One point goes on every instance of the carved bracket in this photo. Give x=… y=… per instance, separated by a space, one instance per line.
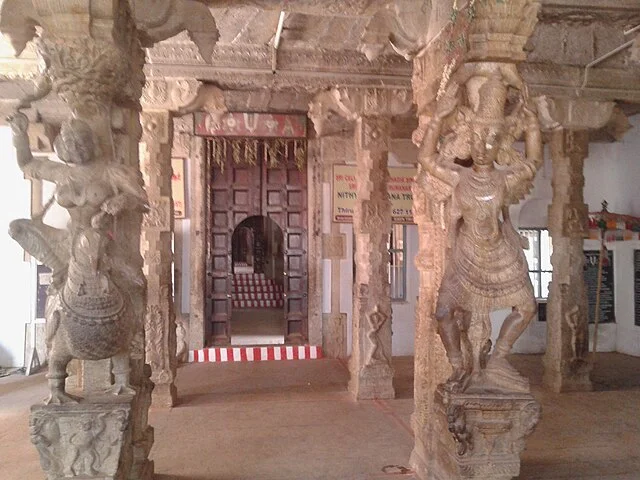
x=353 y=103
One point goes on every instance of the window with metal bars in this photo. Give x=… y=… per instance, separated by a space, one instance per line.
x=397 y=263
x=539 y=259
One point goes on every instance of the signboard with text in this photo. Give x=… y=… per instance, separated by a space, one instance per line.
x=177 y=187
x=260 y=125
x=607 y=291
x=399 y=189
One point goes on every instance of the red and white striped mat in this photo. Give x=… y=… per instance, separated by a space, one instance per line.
x=255 y=354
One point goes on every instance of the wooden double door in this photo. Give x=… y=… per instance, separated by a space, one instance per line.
x=239 y=190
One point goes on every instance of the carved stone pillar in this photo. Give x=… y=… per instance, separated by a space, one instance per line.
x=96 y=307
x=156 y=247
x=566 y=359
x=162 y=99
x=370 y=362
x=569 y=120
x=450 y=421
x=93 y=60
x=371 y=109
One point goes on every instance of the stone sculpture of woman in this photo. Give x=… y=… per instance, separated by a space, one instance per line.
x=486 y=269
x=89 y=315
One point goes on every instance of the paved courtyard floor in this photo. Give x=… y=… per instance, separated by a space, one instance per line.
x=294 y=420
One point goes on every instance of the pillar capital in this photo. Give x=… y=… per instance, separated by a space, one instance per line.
x=573 y=113
x=355 y=103
x=182 y=96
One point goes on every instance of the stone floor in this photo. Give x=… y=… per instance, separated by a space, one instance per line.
x=293 y=420
x=257 y=326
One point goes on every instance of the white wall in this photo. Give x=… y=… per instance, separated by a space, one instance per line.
x=611 y=171
x=404 y=313
x=16 y=281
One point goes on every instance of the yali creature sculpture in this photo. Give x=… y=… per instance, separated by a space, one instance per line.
x=467 y=155
x=89 y=312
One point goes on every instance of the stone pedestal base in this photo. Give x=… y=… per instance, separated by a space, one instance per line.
x=164 y=395
x=476 y=436
x=576 y=378
x=372 y=381
x=89 y=440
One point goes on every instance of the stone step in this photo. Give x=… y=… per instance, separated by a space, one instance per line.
x=257 y=288
x=257 y=295
x=275 y=303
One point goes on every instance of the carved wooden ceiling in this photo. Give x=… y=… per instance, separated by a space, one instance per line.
x=320 y=47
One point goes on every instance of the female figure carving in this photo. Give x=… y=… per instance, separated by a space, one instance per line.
x=88 y=311
x=486 y=268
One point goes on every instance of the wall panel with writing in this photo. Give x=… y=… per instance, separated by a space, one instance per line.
x=607 y=297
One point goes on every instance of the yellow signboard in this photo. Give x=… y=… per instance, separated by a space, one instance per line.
x=399 y=189
x=177 y=187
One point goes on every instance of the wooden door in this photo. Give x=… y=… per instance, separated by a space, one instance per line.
x=234 y=194
x=285 y=202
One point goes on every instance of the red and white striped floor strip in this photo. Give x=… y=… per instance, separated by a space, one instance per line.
x=255 y=354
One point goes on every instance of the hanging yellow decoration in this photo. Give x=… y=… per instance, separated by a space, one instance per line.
x=217 y=153
x=250 y=151
x=235 y=152
x=274 y=152
x=300 y=153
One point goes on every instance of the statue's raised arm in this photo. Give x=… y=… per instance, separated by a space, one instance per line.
x=32 y=167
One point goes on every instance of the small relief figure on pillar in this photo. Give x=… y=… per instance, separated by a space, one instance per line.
x=85 y=459
x=579 y=341
x=88 y=311
x=376 y=353
x=486 y=108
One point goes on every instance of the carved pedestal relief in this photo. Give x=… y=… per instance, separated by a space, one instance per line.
x=371 y=109
x=566 y=358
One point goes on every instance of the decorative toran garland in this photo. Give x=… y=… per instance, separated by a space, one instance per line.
x=246 y=151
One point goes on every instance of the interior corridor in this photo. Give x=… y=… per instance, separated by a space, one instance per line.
x=294 y=420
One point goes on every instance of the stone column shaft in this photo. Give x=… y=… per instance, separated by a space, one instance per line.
x=156 y=244
x=565 y=360
x=370 y=364
x=372 y=110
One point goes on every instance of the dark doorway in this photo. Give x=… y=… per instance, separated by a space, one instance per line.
x=258 y=283
x=257 y=223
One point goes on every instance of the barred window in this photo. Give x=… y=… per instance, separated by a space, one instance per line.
x=397 y=262
x=539 y=259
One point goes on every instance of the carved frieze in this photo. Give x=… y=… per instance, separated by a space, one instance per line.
x=354 y=103
x=156 y=127
x=375 y=134
x=169 y=93
x=80 y=441
x=159 y=215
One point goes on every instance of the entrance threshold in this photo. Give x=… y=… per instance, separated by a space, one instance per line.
x=255 y=354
